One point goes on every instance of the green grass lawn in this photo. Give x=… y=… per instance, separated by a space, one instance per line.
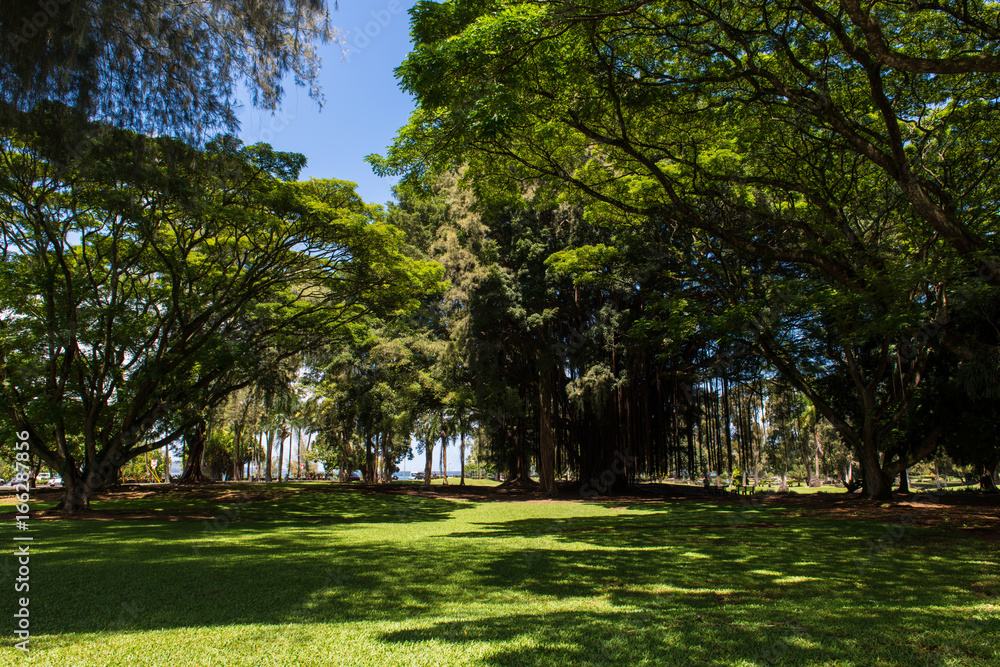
x=339 y=576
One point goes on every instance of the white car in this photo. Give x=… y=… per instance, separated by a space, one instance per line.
x=56 y=482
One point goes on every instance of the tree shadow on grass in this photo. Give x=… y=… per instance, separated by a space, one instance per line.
x=278 y=504
x=567 y=638
x=648 y=584
x=338 y=505
x=657 y=524
x=672 y=636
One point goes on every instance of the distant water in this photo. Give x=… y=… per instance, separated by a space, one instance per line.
x=402 y=474
x=409 y=473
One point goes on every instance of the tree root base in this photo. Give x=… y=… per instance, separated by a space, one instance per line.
x=522 y=483
x=193 y=481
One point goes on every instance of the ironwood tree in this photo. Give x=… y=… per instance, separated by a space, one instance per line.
x=159 y=65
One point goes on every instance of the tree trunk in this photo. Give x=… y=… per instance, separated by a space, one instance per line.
x=522 y=463
x=76 y=496
x=461 y=453
x=444 y=453
x=546 y=437
x=369 y=460
x=807 y=464
x=281 y=448
x=987 y=482
x=428 y=461
x=904 y=481
x=36 y=467
x=444 y=461
x=729 y=442
x=716 y=412
x=343 y=473
x=387 y=462
x=382 y=464
x=252 y=458
x=756 y=468
x=237 y=436
x=893 y=469
x=689 y=434
x=817 y=447
x=758 y=450
x=875 y=484
x=850 y=481
x=270 y=450
x=305 y=458
x=98 y=475
x=195 y=441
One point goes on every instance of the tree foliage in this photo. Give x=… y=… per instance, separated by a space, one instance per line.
x=819 y=176
x=161 y=64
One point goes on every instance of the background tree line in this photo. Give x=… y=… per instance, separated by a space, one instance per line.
x=812 y=184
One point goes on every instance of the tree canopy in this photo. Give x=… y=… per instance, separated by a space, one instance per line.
x=148 y=282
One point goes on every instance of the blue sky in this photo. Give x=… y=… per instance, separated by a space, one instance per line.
x=364 y=106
